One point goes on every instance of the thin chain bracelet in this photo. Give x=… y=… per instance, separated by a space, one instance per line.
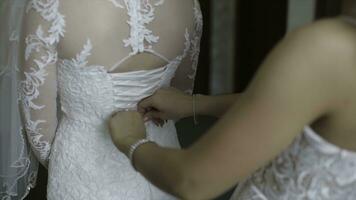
x=194 y=109
x=133 y=148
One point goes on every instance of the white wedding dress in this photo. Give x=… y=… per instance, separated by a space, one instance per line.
x=310 y=169
x=83 y=162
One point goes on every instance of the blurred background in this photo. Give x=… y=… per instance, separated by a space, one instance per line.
x=237 y=36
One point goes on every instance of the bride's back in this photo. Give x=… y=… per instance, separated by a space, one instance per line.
x=107 y=23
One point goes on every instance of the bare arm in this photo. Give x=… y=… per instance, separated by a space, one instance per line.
x=170 y=103
x=295 y=86
x=215 y=106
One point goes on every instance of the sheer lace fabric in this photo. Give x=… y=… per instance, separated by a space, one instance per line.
x=83 y=162
x=39 y=108
x=310 y=169
x=18 y=166
x=41 y=57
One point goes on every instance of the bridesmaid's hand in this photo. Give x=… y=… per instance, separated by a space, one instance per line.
x=126 y=128
x=164 y=104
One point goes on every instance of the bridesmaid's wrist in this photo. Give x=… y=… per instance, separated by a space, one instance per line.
x=185 y=109
x=134 y=148
x=196 y=105
x=125 y=144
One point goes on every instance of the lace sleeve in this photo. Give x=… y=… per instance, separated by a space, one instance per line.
x=185 y=74
x=38 y=87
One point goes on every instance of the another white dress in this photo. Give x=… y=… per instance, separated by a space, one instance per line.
x=310 y=169
x=84 y=164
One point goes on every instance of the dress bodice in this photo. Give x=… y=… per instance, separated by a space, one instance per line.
x=82 y=160
x=310 y=169
x=88 y=91
x=91 y=93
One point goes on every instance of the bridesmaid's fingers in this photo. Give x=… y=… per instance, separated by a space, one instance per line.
x=156 y=122
x=145 y=103
x=160 y=122
x=141 y=110
x=153 y=114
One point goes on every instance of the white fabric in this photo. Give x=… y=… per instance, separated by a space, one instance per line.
x=18 y=166
x=40 y=60
x=310 y=169
x=83 y=162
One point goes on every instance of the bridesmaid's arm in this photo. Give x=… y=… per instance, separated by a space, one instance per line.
x=170 y=103
x=215 y=106
x=297 y=84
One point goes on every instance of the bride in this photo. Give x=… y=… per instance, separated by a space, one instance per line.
x=79 y=61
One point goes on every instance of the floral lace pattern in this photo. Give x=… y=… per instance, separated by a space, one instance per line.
x=310 y=169
x=49 y=10
x=35 y=77
x=88 y=95
x=195 y=42
x=141 y=13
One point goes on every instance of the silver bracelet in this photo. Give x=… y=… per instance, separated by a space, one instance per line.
x=194 y=110
x=133 y=148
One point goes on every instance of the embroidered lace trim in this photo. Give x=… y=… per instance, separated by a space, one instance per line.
x=29 y=87
x=141 y=14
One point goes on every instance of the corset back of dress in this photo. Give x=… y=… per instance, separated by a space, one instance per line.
x=91 y=94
